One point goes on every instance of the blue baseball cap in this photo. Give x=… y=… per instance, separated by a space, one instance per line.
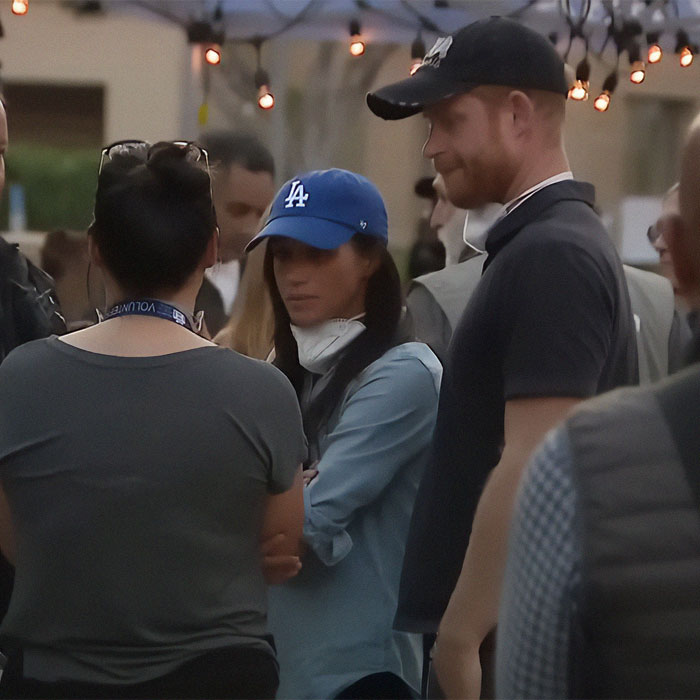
x=326 y=208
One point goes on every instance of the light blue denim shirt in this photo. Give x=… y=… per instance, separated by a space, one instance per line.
x=333 y=622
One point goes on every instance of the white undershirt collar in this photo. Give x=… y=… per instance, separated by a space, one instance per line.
x=514 y=203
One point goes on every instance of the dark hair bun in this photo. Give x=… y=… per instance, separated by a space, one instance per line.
x=153 y=218
x=178 y=170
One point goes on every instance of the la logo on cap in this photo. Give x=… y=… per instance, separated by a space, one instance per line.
x=297 y=196
x=438 y=52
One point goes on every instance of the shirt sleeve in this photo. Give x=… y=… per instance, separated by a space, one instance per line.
x=561 y=307
x=384 y=424
x=541 y=581
x=283 y=431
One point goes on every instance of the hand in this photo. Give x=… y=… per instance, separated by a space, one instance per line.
x=310 y=473
x=278 y=568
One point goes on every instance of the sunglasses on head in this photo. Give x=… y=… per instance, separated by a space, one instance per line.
x=143 y=149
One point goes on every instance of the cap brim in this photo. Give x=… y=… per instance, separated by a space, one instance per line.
x=412 y=95
x=316 y=232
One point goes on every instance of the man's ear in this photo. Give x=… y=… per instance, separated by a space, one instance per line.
x=521 y=112
x=683 y=248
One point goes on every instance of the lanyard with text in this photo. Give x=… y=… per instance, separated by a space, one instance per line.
x=150 y=307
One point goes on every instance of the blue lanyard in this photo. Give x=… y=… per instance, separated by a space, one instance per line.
x=149 y=307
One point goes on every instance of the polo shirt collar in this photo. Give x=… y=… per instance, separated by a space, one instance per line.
x=529 y=210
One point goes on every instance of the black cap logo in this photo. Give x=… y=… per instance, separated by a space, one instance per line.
x=440 y=48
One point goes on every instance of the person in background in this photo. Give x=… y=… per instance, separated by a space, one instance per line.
x=28 y=305
x=64 y=256
x=658 y=234
x=427 y=254
x=243 y=186
x=369 y=399
x=655 y=234
x=548 y=324
x=437 y=300
x=141 y=467
x=29 y=309
x=602 y=586
x=250 y=328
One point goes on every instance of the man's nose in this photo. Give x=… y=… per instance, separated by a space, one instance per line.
x=429 y=147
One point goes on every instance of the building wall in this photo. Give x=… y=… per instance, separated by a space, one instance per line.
x=143 y=63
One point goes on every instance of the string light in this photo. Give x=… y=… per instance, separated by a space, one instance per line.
x=602 y=102
x=266 y=100
x=654 y=51
x=213 y=56
x=683 y=48
x=417 y=53
x=357 y=46
x=637 y=68
x=20 y=7
x=579 y=90
x=637 y=72
x=687 y=57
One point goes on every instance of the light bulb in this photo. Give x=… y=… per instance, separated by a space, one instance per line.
x=579 y=91
x=357 y=47
x=20 y=7
x=654 y=54
x=686 y=57
x=638 y=72
x=266 y=100
x=602 y=102
x=212 y=56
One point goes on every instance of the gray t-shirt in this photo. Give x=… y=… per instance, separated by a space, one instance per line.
x=137 y=488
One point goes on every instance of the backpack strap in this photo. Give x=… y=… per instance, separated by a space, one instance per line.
x=679 y=400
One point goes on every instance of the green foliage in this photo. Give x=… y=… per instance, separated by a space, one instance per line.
x=59 y=185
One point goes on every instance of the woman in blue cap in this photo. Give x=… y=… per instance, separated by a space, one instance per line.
x=369 y=399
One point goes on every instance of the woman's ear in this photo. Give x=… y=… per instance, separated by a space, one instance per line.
x=372 y=263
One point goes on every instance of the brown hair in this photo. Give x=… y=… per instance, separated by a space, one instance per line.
x=252 y=323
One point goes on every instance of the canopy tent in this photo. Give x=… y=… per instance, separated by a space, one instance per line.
x=398 y=21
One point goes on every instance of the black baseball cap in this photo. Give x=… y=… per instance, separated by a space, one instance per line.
x=491 y=51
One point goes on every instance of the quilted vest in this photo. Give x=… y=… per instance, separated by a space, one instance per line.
x=636 y=631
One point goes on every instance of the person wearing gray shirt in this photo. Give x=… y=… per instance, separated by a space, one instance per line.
x=142 y=466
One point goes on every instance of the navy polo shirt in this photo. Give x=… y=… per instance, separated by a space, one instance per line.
x=550 y=316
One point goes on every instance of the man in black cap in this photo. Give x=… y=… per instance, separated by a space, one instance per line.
x=548 y=325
